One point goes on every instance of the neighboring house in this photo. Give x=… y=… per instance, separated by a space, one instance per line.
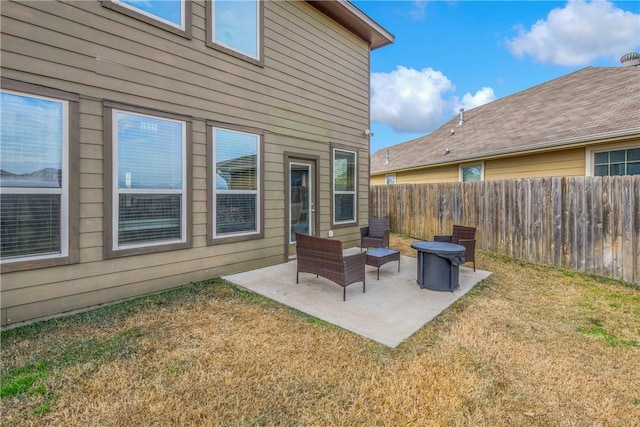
x=146 y=145
x=582 y=124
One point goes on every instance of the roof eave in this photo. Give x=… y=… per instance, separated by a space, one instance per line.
x=355 y=20
x=531 y=149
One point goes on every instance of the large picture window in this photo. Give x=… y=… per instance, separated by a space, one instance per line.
x=235 y=183
x=149 y=182
x=34 y=169
x=172 y=15
x=344 y=186
x=35 y=147
x=617 y=162
x=236 y=27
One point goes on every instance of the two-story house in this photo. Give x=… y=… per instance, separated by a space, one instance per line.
x=147 y=145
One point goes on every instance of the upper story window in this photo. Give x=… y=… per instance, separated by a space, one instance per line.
x=235 y=184
x=617 y=162
x=236 y=28
x=149 y=185
x=390 y=178
x=471 y=173
x=344 y=186
x=172 y=15
x=37 y=143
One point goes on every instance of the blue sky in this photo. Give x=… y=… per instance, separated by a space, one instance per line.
x=169 y=10
x=453 y=54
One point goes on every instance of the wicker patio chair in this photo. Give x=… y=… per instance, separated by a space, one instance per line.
x=464 y=236
x=376 y=234
x=324 y=257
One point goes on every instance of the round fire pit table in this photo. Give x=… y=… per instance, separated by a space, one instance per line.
x=438 y=265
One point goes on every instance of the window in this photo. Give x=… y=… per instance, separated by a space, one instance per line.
x=172 y=15
x=618 y=162
x=344 y=186
x=38 y=141
x=235 y=183
x=235 y=27
x=149 y=182
x=471 y=173
x=390 y=178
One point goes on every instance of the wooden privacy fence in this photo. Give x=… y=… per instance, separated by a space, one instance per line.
x=589 y=224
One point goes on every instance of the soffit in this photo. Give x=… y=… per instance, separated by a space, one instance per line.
x=348 y=15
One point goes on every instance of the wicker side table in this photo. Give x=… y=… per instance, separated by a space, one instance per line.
x=380 y=256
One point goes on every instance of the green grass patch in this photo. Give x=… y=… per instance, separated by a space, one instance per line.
x=176 y=367
x=27 y=379
x=30 y=380
x=587 y=304
x=91 y=349
x=597 y=331
x=45 y=406
x=316 y=321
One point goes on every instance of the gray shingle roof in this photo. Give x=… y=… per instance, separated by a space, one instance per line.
x=586 y=106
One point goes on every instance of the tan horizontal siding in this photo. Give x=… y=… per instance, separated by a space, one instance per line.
x=312 y=91
x=91 y=210
x=562 y=163
x=378 y=180
x=437 y=174
x=321 y=44
x=45 y=307
x=139 y=67
x=180 y=260
x=557 y=163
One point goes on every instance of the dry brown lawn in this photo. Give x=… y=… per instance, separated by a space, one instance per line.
x=530 y=346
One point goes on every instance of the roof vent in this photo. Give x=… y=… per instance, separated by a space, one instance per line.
x=630 y=60
x=461 y=122
x=386 y=159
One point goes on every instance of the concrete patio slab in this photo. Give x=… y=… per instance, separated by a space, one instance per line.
x=391 y=310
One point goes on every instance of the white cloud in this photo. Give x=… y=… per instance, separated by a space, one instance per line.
x=483 y=96
x=414 y=101
x=578 y=34
x=409 y=100
x=418 y=10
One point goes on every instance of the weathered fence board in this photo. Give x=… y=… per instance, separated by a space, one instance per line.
x=636 y=228
x=589 y=224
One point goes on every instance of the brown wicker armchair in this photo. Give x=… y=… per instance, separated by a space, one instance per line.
x=464 y=236
x=376 y=234
x=324 y=257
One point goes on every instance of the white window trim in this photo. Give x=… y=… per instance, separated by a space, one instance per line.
x=213 y=40
x=183 y=12
x=116 y=191
x=466 y=165
x=63 y=191
x=591 y=152
x=355 y=186
x=390 y=175
x=215 y=191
